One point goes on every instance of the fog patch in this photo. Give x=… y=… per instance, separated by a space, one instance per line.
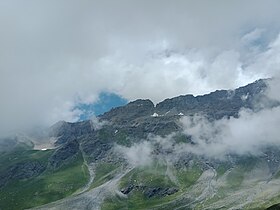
x=246 y=135
x=138 y=154
x=96 y=124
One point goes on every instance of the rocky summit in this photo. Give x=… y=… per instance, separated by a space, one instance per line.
x=141 y=156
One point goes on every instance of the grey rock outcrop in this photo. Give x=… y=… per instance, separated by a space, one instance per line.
x=22 y=170
x=150 y=192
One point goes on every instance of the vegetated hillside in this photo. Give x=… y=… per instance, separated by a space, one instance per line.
x=136 y=157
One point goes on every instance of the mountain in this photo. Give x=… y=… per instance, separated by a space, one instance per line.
x=136 y=157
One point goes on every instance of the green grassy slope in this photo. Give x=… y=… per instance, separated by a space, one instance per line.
x=223 y=188
x=154 y=176
x=49 y=186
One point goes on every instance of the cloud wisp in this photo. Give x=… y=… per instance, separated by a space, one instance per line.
x=249 y=134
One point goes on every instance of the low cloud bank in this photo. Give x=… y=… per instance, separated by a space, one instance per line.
x=249 y=134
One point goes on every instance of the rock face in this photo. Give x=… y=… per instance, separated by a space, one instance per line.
x=138 y=119
x=150 y=192
x=144 y=116
x=133 y=110
x=159 y=192
x=97 y=145
x=66 y=131
x=215 y=105
x=20 y=171
x=221 y=103
x=64 y=154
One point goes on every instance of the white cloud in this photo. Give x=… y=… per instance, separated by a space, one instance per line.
x=137 y=155
x=248 y=134
x=96 y=123
x=55 y=54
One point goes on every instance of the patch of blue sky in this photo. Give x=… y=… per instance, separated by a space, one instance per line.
x=105 y=103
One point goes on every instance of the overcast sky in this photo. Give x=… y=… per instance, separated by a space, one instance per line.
x=55 y=54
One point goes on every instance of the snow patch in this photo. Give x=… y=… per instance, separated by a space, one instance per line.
x=244 y=97
x=155 y=115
